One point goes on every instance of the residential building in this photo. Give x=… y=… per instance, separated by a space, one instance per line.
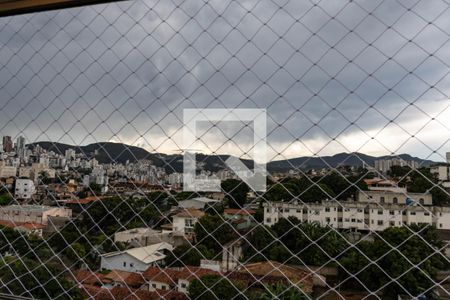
x=232 y=253
x=442 y=172
x=257 y=275
x=136 y=259
x=384 y=165
x=390 y=197
x=380 y=184
x=185 y=221
x=175 y=279
x=7 y=171
x=20 y=146
x=7 y=144
x=240 y=218
x=26 y=228
x=358 y=216
x=33 y=213
x=24 y=189
x=146 y=236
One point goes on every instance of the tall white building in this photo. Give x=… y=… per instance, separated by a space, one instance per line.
x=20 y=146
x=25 y=189
x=384 y=165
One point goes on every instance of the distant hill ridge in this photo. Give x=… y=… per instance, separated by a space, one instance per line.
x=108 y=152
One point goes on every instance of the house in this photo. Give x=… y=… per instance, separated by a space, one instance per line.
x=147 y=236
x=136 y=259
x=174 y=279
x=39 y=214
x=201 y=203
x=232 y=252
x=27 y=228
x=109 y=280
x=270 y=272
x=185 y=221
x=389 y=197
x=240 y=218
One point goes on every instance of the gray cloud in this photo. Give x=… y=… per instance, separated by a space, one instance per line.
x=125 y=71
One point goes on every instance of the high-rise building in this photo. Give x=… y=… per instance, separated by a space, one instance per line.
x=7 y=144
x=20 y=146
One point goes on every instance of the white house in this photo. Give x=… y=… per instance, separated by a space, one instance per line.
x=25 y=189
x=136 y=259
x=185 y=220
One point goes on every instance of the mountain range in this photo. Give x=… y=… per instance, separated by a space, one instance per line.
x=107 y=152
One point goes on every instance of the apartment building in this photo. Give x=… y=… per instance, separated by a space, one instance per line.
x=24 y=189
x=391 y=197
x=358 y=216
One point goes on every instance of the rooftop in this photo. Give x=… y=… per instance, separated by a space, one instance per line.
x=29 y=208
x=190 y=213
x=146 y=254
x=235 y=211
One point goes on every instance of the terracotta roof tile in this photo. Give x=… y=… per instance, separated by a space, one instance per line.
x=236 y=211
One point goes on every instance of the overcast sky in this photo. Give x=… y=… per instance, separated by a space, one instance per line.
x=335 y=76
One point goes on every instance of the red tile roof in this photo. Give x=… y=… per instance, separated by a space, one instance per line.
x=130 y=279
x=122 y=293
x=85 y=200
x=171 y=276
x=27 y=225
x=236 y=211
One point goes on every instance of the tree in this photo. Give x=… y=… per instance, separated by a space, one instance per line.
x=235 y=192
x=187 y=255
x=30 y=278
x=260 y=242
x=215 y=287
x=213 y=232
x=407 y=254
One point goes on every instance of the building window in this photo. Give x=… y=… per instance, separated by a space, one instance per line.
x=353 y=220
x=183 y=285
x=131 y=265
x=339 y=219
x=327 y=220
x=381 y=199
x=395 y=200
x=412 y=213
x=305 y=211
x=392 y=223
x=154 y=285
x=268 y=220
x=421 y=201
x=391 y=212
x=380 y=222
x=124 y=263
x=163 y=287
x=426 y=213
x=327 y=209
x=380 y=211
x=440 y=225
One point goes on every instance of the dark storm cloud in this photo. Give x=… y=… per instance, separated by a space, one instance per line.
x=334 y=70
